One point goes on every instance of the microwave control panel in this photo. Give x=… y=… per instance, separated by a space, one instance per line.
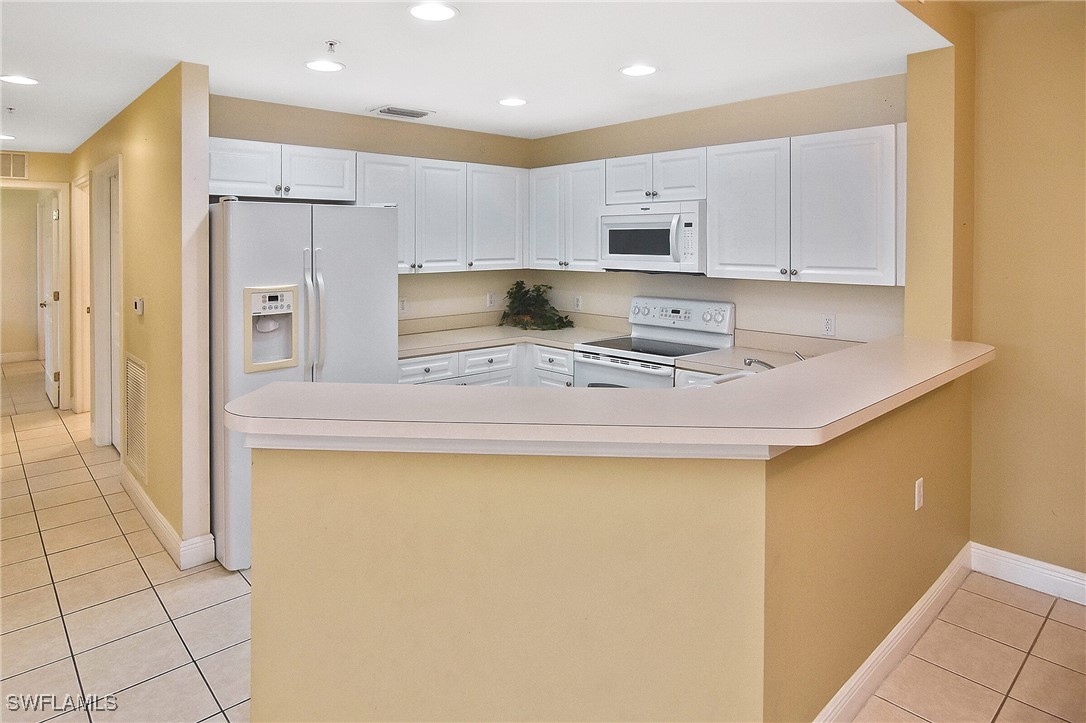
x=688 y=241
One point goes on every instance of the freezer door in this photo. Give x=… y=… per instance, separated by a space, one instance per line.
x=354 y=252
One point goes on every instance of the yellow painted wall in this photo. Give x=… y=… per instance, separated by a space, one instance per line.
x=456 y=587
x=19 y=261
x=1029 y=482
x=846 y=554
x=147 y=135
x=50 y=167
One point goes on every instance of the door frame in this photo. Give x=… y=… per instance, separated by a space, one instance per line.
x=101 y=300
x=80 y=295
x=64 y=267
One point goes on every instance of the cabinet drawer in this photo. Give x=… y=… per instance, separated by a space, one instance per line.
x=551 y=359
x=428 y=368
x=485 y=360
x=551 y=379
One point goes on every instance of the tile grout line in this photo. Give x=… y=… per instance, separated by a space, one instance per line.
x=1025 y=660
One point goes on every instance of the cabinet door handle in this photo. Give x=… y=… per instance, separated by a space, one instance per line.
x=793 y=272
x=415 y=266
x=489 y=361
x=784 y=272
x=648 y=194
x=419 y=266
x=286 y=190
x=550 y=360
x=426 y=370
x=569 y=384
x=654 y=193
x=470 y=264
x=278 y=189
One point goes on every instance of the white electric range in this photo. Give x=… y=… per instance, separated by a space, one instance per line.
x=662 y=330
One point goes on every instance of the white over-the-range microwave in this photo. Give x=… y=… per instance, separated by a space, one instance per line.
x=660 y=237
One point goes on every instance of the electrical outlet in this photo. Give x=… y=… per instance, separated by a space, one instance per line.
x=829 y=324
x=403 y=305
x=577 y=304
x=918 y=494
x=489 y=299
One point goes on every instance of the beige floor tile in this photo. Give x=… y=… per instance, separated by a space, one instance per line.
x=110 y=485
x=65 y=495
x=80 y=533
x=101 y=455
x=10 y=474
x=1015 y=712
x=131 y=660
x=24 y=609
x=34 y=420
x=72 y=512
x=215 y=628
x=11 y=447
x=240 y=713
x=1070 y=613
x=930 y=692
x=877 y=710
x=144 y=543
x=973 y=656
x=18 y=505
x=227 y=672
x=178 y=695
x=120 y=502
x=115 y=619
x=53 y=480
x=23 y=576
x=18 y=525
x=36 y=469
x=56 y=679
x=18 y=549
x=11 y=459
x=992 y=619
x=109 y=469
x=101 y=586
x=217 y=718
x=1035 y=602
x=49 y=430
x=33 y=647
x=1062 y=644
x=40 y=455
x=1052 y=688
x=131 y=521
x=161 y=568
x=204 y=589
x=89 y=558
x=14 y=488
x=60 y=438
x=87 y=445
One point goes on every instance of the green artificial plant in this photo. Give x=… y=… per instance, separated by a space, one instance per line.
x=528 y=308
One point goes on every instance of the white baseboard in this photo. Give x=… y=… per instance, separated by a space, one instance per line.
x=1034 y=574
x=185 y=553
x=892 y=650
x=10 y=357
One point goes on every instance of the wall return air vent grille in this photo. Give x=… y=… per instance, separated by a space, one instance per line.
x=13 y=165
x=135 y=425
x=397 y=112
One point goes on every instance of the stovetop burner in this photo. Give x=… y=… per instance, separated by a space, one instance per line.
x=657 y=347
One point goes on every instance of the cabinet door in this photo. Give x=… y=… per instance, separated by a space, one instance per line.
x=679 y=175
x=540 y=378
x=547 y=358
x=583 y=198
x=748 y=210
x=244 y=168
x=391 y=179
x=440 y=224
x=321 y=174
x=428 y=368
x=843 y=221
x=497 y=213
x=629 y=179
x=546 y=239
x=485 y=360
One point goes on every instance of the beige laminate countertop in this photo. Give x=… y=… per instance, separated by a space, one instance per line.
x=755 y=417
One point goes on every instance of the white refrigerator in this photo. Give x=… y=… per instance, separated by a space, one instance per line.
x=302 y=293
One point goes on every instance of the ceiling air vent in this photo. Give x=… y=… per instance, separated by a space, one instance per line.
x=13 y=165
x=397 y=112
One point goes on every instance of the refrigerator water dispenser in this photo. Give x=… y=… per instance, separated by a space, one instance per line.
x=271 y=329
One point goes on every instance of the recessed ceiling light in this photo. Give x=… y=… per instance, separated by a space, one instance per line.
x=6 y=137
x=18 y=79
x=512 y=101
x=433 y=11
x=327 y=64
x=638 y=70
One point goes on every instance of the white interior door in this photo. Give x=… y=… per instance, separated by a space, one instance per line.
x=49 y=238
x=115 y=308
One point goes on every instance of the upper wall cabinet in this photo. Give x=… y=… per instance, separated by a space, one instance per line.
x=565 y=216
x=670 y=176
x=497 y=216
x=384 y=179
x=441 y=191
x=271 y=170
x=843 y=207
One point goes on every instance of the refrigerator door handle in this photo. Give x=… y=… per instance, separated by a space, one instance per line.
x=310 y=304
x=323 y=315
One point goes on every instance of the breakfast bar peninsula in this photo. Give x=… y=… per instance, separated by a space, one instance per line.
x=472 y=553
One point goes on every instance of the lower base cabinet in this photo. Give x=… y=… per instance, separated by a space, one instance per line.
x=539 y=378
x=504 y=378
x=525 y=365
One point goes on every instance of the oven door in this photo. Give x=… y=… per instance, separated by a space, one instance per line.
x=599 y=370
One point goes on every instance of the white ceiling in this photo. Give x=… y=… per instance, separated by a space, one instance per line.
x=94 y=58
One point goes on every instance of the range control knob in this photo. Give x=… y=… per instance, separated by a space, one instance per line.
x=707 y=316
x=645 y=310
x=635 y=310
x=718 y=317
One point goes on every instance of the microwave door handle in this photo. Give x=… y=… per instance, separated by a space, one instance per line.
x=675 y=237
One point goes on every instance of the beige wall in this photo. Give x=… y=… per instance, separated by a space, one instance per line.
x=51 y=167
x=846 y=554
x=156 y=213
x=19 y=261
x=1029 y=482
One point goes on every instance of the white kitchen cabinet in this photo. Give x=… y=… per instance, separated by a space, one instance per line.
x=486 y=360
x=497 y=199
x=540 y=378
x=384 y=179
x=748 y=209
x=669 y=176
x=687 y=378
x=271 y=170
x=565 y=216
x=507 y=378
x=843 y=221
x=440 y=216
x=428 y=368
x=548 y=358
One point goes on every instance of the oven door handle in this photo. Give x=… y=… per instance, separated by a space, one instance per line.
x=633 y=366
